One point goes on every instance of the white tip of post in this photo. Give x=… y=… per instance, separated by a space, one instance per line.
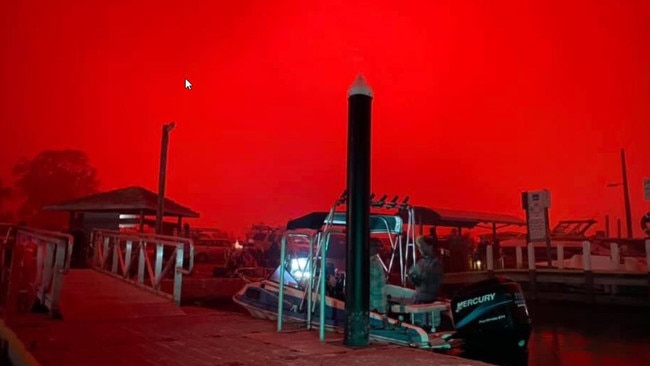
x=360 y=87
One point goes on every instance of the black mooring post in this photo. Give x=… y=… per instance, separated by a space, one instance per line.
x=357 y=321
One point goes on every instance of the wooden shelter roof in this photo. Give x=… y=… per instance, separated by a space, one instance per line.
x=458 y=218
x=130 y=200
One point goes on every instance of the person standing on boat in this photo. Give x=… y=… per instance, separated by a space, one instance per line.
x=433 y=239
x=378 y=297
x=426 y=274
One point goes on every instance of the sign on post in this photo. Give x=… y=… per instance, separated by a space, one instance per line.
x=646 y=189
x=536 y=205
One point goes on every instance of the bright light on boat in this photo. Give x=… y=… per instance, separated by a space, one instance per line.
x=299 y=268
x=298 y=264
x=301 y=275
x=238 y=246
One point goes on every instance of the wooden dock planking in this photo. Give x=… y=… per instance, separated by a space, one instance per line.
x=109 y=322
x=88 y=294
x=204 y=339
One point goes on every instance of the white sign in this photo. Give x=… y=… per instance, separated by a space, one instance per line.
x=646 y=189
x=538 y=202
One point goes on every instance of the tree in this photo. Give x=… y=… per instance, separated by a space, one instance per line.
x=51 y=177
x=5 y=196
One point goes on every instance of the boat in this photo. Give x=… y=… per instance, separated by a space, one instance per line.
x=261 y=236
x=308 y=287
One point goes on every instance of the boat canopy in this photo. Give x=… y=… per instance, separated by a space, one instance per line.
x=464 y=219
x=379 y=224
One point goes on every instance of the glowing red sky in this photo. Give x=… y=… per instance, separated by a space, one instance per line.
x=474 y=101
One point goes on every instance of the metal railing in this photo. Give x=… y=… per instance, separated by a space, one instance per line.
x=144 y=260
x=577 y=257
x=316 y=281
x=39 y=260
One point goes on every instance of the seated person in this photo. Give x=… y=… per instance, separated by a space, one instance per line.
x=378 y=296
x=426 y=274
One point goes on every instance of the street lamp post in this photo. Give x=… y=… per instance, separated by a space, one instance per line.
x=626 y=195
x=166 y=129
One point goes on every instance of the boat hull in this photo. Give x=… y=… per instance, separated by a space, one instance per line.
x=260 y=299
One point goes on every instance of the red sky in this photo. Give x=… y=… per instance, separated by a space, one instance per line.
x=475 y=101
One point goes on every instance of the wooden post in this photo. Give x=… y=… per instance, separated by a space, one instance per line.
x=589 y=275
x=586 y=255
x=615 y=255
x=560 y=256
x=490 y=260
x=647 y=258
x=520 y=257
x=141 y=221
x=531 y=256
x=532 y=273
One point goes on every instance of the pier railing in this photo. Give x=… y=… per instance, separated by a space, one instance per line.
x=37 y=260
x=576 y=257
x=578 y=272
x=144 y=260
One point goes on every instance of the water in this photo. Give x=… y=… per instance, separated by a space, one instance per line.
x=574 y=334
x=580 y=334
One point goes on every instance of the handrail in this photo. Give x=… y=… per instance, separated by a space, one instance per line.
x=40 y=258
x=116 y=249
x=582 y=257
x=310 y=294
x=323 y=279
x=164 y=239
x=283 y=255
x=47 y=233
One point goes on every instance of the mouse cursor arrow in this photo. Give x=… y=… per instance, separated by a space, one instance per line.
x=188 y=85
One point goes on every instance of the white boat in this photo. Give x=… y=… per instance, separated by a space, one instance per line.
x=491 y=313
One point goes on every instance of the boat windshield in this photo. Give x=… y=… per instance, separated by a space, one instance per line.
x=297 y=266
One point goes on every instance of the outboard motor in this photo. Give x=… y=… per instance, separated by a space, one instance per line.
x=492 y=316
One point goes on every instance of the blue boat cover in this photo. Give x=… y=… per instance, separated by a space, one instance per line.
x=379 y=224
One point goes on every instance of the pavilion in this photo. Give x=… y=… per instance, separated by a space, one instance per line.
x=125 y=207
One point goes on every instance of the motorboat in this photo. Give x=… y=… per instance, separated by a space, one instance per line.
x=308 y=287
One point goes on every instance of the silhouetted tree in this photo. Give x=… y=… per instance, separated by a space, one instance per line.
x=51 y=177
x=5 y=196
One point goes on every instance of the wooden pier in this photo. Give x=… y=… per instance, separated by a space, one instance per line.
x=106 y=321
x=128 y=310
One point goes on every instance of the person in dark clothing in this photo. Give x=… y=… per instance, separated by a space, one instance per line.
x=482 y=253
x=79 y=249
x=426 y=274
x=378 y=295
x=496 y=253
x=433 y=234
x=456 y=252
x=272 y=255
